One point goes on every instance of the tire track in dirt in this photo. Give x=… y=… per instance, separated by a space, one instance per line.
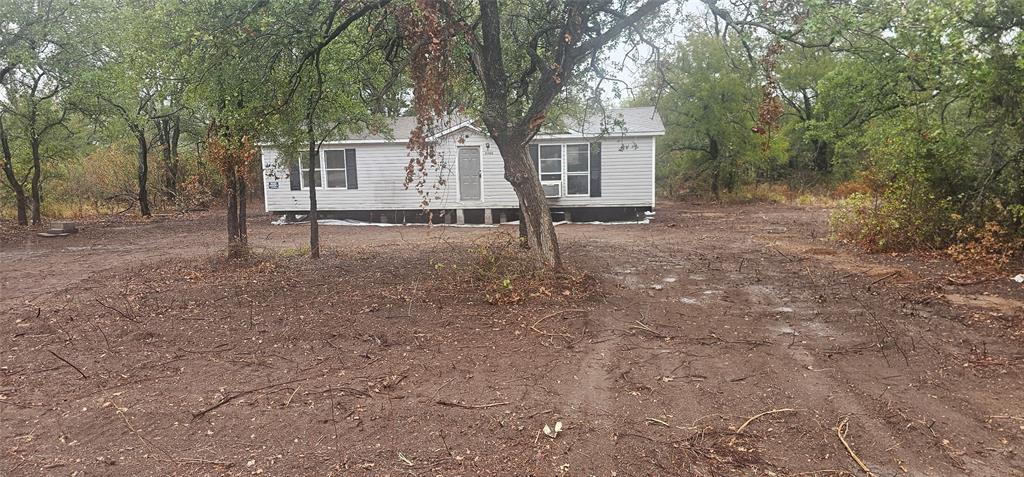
x=592 y=399
x=886 y=419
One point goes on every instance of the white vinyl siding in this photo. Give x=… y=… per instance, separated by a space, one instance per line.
x=626 y=177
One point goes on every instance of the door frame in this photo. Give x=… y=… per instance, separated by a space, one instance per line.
x=458 y=172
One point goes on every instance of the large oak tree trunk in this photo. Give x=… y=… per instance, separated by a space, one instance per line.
x=37 y=168
x=540 y=231
x=20 y=200
x=143 y=173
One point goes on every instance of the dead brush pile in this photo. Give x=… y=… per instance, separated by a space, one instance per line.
x=506 y=273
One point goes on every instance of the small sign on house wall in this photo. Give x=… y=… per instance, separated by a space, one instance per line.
x=272 y=185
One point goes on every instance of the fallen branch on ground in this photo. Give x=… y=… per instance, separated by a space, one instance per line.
x=1012 y=418
x=893 y=274
x=639 y=325
x=205 y=462
x=119 y=312
x=713 y=338
x=120 y=411
x=232 y=397
x=752 y=419
x=559 y=312
x=472 y=406
x=55 y=355
x=967 y=283
x=289 y=401
x=841 y=429
x=657 y=421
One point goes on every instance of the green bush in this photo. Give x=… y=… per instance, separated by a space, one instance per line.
x=898 y=220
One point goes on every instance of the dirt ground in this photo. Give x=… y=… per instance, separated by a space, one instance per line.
x=716 y=341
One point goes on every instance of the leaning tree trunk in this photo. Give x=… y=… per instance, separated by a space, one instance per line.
x=21 y=201
x=143 y=173
x=540 y=231
x=37 y=162
x=314 y=225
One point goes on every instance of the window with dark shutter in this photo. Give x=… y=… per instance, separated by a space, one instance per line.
x=304 y=172
x=595 y=169
x=352 y=178
x=295 y=175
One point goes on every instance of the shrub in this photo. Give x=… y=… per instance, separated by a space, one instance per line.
x=991 y=246
x=778 y=193
x=898 y=220
x=508 y=274
x=193 y=195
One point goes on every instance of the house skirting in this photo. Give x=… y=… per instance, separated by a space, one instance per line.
x=476 y=216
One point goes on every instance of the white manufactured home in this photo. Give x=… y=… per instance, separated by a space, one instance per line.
x=600 y=169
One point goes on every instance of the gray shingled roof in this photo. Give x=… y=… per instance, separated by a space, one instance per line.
x=614 y=121
x=617 y=121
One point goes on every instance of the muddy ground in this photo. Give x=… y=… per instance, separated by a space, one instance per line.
x=713 y=341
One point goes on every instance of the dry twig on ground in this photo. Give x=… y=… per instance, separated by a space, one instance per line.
x=472 y=406
x=559 y=312
x=55 y=355
x=753 y=418
x=841 y=429
x=232 y=397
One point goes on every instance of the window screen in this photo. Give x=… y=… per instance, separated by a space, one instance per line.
x=577 y=169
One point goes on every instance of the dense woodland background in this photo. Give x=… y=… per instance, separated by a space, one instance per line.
x=906 y=116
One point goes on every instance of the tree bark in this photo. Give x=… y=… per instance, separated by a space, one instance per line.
x=143 y=172
x=21 y=202
x=235 y=181
x=540 y=231
x=822 y=155
x=37 y=162
x=524 y=238
x=243 y=227
x=314 y=225
x=175 y=138
x=167 y=134
x=714 y=152
x=231 y=187
x=512 y=131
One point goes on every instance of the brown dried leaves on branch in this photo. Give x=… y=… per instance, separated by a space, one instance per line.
x=431 y=70
x=770 y=111
x=231 y=155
